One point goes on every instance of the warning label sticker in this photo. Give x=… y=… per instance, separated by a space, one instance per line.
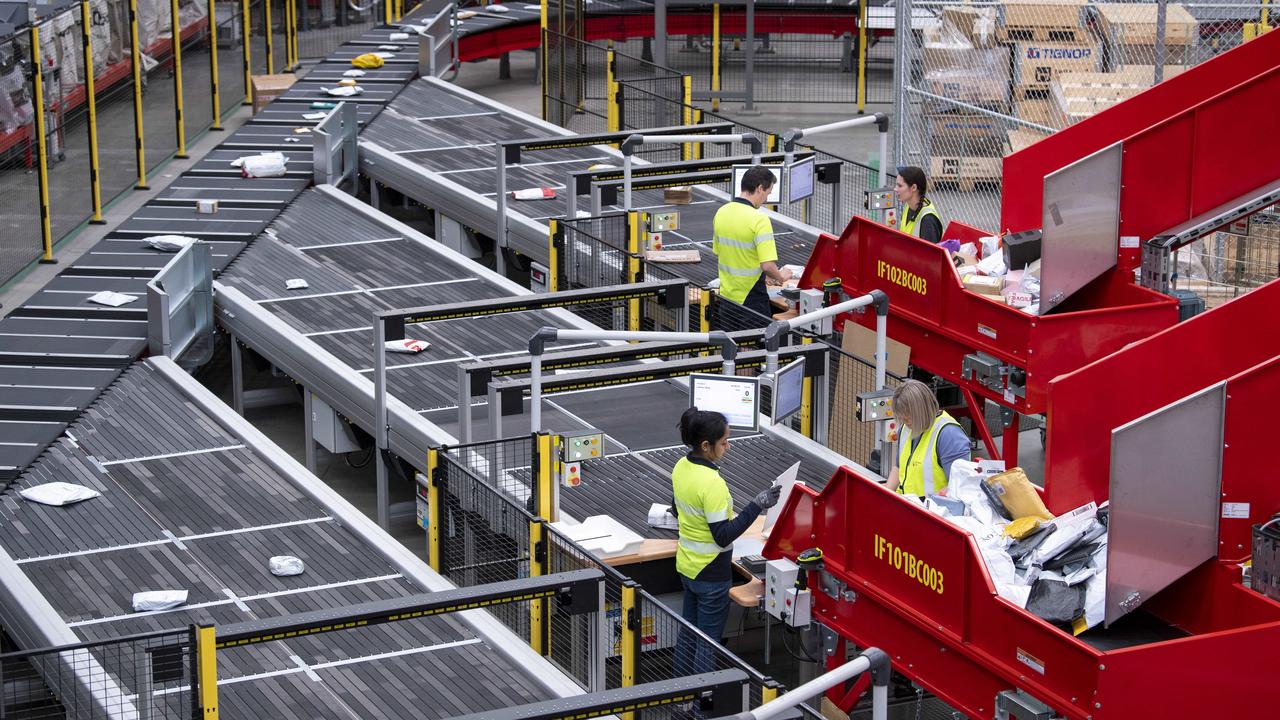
x=1235 y=510
x=987 y=330
x=1030 y=661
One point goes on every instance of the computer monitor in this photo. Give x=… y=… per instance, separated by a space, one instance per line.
x=788 y=390
x=737 y=398
x=775 y=195
x=800 y=180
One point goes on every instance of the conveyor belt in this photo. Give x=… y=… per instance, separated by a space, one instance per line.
x=187 y=505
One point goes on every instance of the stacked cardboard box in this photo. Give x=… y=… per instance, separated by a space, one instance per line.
x=267 y=88
x=1077 y=96
x=1129 y=32
x=958 y=69
x=1046 y=37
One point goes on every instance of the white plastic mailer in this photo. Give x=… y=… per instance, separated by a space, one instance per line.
x=58 y=494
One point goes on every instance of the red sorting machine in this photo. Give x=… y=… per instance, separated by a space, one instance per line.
x=915 y=585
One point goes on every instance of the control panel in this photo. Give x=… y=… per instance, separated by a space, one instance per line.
x=875 y=406
x=657 y=225
x=881 y=198
x=779 y=579
x=576 y=448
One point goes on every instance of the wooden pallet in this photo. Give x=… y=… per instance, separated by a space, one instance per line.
x=1068 y=34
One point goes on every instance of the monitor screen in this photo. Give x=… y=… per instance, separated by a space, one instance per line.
x=775 y=195
x=737 y=398
x=800 y=180
x=788 y=389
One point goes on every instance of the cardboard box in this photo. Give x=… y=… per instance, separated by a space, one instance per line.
x=1077 y=96
x=977 y=24
x=1135 y=23
x=681 y=195
x=1037 y=110
x=266 y=88
x=1043 y=13
x=1022 y=138
x=954 y=68
x=962 y=169
x=957 y=134
x=983 y=284
x=1038 y=63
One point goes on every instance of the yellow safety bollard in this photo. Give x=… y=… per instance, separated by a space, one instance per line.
x=806 y=399
x=434 y=514
x=630 y=640
x=175 y=26
x=537 y=608
x=245 y=34
x=140 y=154
x=207 y=663
x=42 y=149
x=686 y=113
x=553 y=256
x=543 y=56
x=214 y=99
x=634 y=220
x=546 y=478
x=91 y=108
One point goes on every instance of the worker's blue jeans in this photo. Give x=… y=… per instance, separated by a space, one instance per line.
x=706 y=605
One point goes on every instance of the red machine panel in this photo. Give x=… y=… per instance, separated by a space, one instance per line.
x=924 y=596
x=932 y=312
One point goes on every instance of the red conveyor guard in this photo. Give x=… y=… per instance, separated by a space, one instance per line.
x=924 y=595
x=1191 y=143
x=941 y=321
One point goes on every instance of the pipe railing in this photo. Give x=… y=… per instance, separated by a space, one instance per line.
x=880 y=120
x=630 y=145
x=871 y=660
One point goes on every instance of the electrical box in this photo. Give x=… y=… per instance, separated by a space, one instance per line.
x=662 y=222
x=881 y=198
x=797 y=607
x=574 y=450
x=539 y=277
x=779 y=579
x=875 y=406
x=422 y=500
x=811 y=301
x=330 y=430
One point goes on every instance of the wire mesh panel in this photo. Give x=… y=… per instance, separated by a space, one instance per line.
x=231 y=80
x=146 y=676
x=802 y=58
x=66 y=136
x=1227 y=264
x=986 y=79
x=323 y=25
x=573 y=637
x=850 y=375
x=592 y=252
x=501 y=464
x=575 y=93
x=114 y=90
x=197 y=61
x=671 y=647
x=484 y=537
x=20 y=240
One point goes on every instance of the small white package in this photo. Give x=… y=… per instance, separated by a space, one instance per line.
x=534 y=194
x=391 y=48
x=968 y=249
x=168 y=243
x=408 y=345
x=385 y=55
x=58 y=494
x=313 y=116
x=397 y=37
x=285 y=566
x=993 y=265
x=344 y=91
x=498 y=9
x=990 y=245
x=268 y=164
x=158 y=600
x=296 y=284
x=660 y=517
x=354 y=72
x=111 y=299
x=206 y=207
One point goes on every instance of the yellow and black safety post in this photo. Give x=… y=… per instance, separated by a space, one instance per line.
x=247 y=51
x=388 y=12
x=267 y=31
x=634 y=220
x=291 y=34
x=629 y=638
x=715 y=56
x=546 y=477
x=611 y=114
x=697 y=120
x=216 y=102
x=543 y=56
x=537 y=568
x=91 y=108
x=553 y=256
x=434 y=514
x=771 y=143
x=862 y=57
x=175 y=24
x=207 y=676
x=704 y=310
x=806 y=399
x=686 y=112
x=42 y=148
x=140 y=152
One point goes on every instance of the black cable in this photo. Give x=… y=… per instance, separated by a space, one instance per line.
x=788 y=630
x=347 y=458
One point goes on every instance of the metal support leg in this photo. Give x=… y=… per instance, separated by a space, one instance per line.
x=504 y=66
x=237 y=377
x=309 y=435
x=374 y=198
x=145 y=687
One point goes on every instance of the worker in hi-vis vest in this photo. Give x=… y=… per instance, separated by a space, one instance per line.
x=744 y=246
x=708 y=527
x=918 y=216
x=929 y=441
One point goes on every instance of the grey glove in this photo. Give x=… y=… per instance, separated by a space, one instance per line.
x=768 y=498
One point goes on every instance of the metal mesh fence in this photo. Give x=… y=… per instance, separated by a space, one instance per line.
x=575 y=92
x=20 y=240
x=325 y=24
x=501 y=464
x=146 y=676
x=484 y=536
x=803 y=58
x=570 y=634
x=984 y=79
x=1224 y=265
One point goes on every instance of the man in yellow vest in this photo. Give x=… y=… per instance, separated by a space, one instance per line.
x=929 y=441
x=918 y=216
x=744 y=246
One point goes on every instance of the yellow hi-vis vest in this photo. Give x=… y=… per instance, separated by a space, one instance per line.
x=702 y=497
x=742 y=239
x=911 y=228
x=919 y=472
